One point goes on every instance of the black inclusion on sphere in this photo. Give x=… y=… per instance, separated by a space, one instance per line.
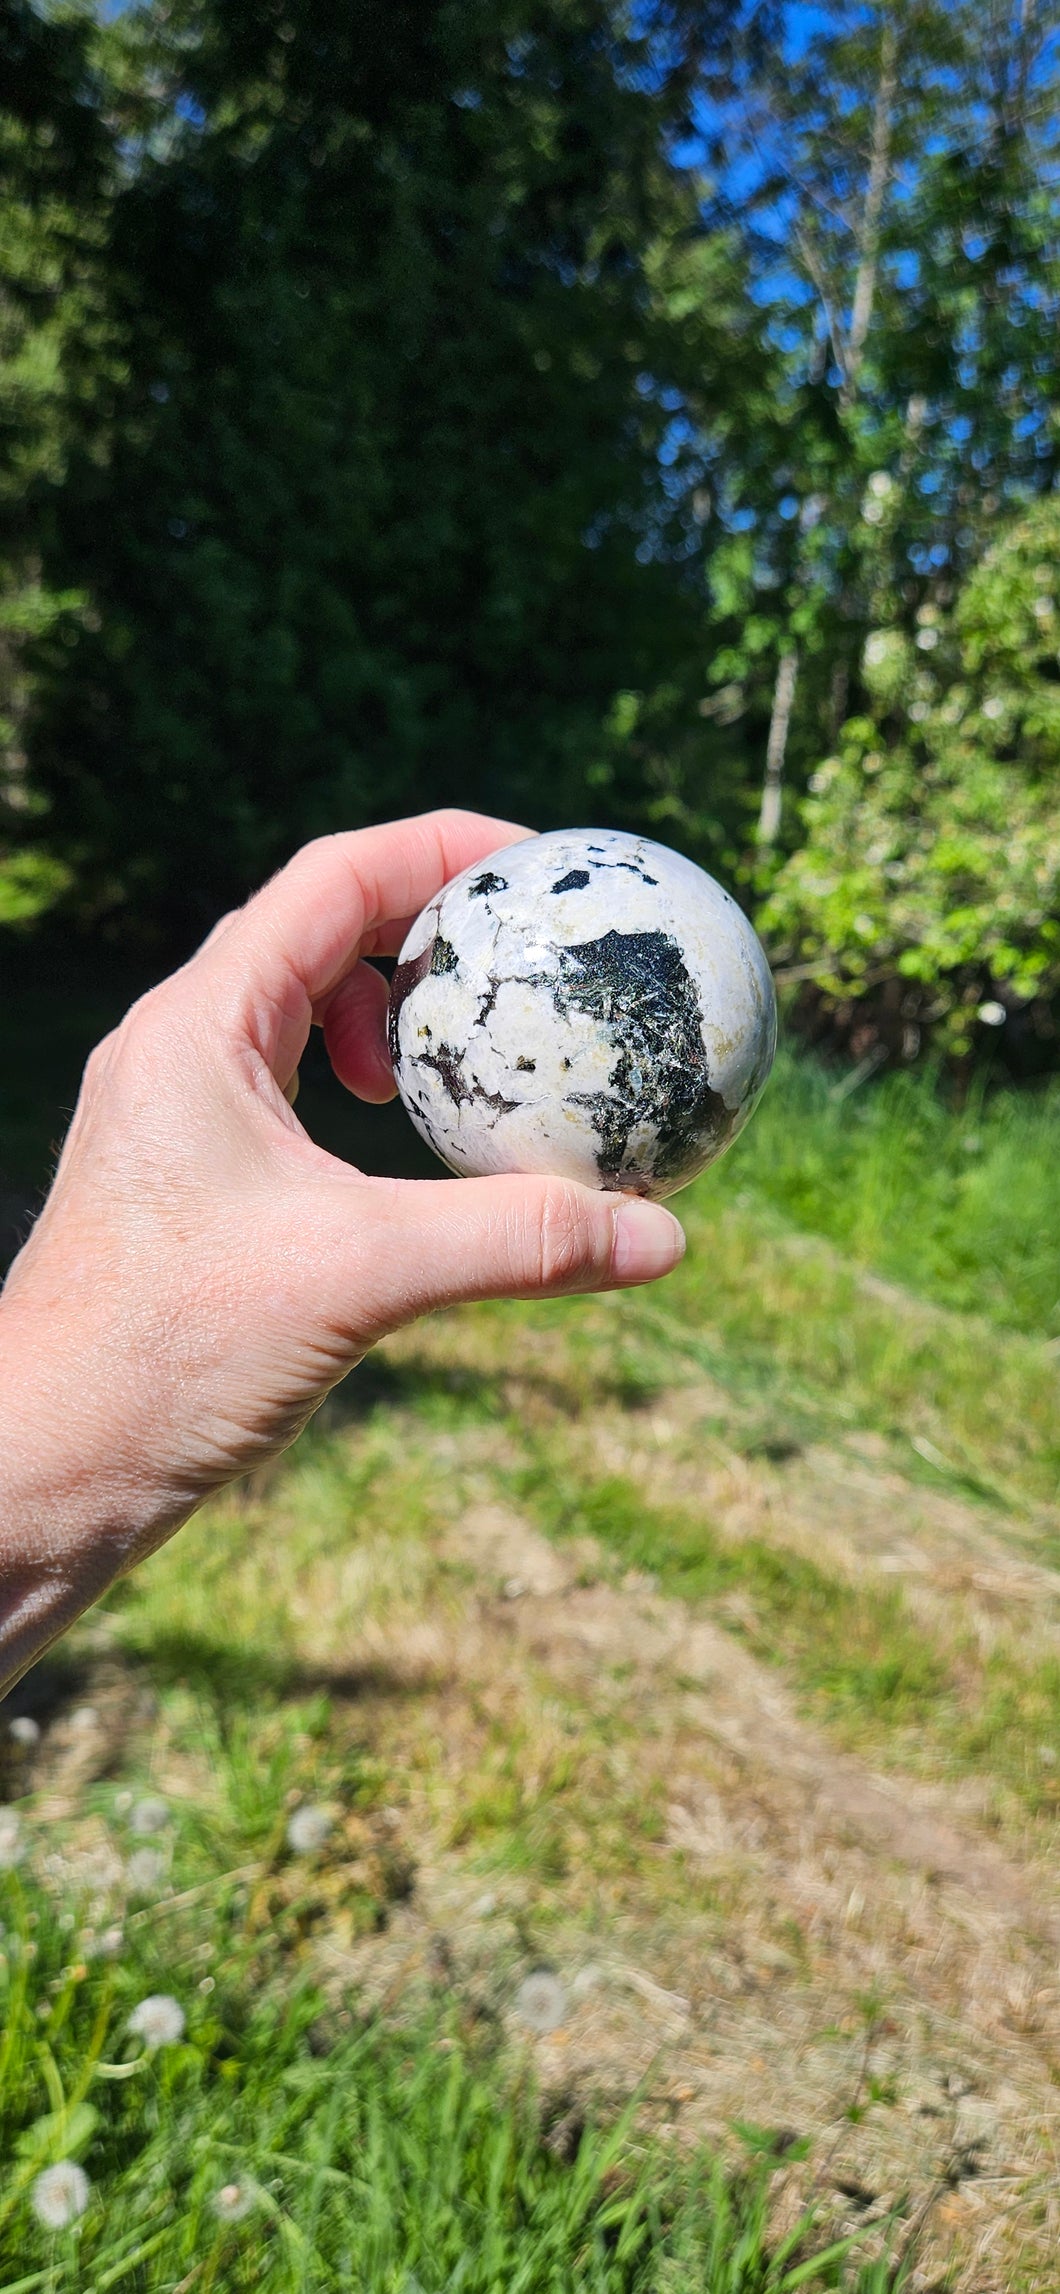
x=637 y=985
x=575 y=880
x=439 y=955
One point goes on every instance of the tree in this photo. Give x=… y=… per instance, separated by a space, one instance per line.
x=387 y=508
x=927 y=888
x=55 y=157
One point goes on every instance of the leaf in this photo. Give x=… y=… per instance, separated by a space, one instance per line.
x=60 y=2134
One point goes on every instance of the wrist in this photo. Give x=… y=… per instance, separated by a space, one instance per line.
x=73 y=1517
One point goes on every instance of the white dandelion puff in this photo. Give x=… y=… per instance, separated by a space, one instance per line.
x=541 y=2002
x=12 y=1839
x=992 y=1014
x=60 y=2195
x=235 y=2200
x=145 y=1871
x=150 y=1815
x=105 y=1946
x=24 y=1729
x=159 y=2020
x=308 y=1829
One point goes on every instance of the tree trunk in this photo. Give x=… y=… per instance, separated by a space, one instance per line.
x=875 y=193
x=776 y=747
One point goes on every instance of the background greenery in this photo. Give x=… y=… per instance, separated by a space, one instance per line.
x=643 y=415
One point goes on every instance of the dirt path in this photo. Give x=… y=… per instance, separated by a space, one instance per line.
x=816 y=1949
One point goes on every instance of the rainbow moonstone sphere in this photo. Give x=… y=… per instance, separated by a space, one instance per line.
x=586 y=1003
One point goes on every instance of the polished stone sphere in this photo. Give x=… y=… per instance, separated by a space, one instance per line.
x=586 y=1003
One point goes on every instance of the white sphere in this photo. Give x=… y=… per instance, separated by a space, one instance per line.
x=586 y=1003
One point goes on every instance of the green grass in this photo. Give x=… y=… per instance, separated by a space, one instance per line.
x=875 y=1262
x=861 y=1659
x=400 y=2157
x=959 y=1204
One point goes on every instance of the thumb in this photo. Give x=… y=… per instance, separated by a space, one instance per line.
x=431 y=1243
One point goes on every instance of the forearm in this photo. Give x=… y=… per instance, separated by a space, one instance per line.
x=74 y=1514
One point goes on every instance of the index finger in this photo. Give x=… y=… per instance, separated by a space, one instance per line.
x=305 y=930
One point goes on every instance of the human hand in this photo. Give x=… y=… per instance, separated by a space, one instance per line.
x=202 y=1274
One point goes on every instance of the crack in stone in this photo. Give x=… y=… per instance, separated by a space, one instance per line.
x=448 y=1065
x=631 y=866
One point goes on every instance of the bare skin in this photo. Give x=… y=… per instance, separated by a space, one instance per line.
x=202 y=1274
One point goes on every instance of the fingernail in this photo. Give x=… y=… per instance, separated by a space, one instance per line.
x=648 y=1241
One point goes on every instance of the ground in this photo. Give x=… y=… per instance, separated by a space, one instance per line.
x=696 y=1652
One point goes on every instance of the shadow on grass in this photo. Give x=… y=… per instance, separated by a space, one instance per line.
x=380 y=1383
x=249 y=1676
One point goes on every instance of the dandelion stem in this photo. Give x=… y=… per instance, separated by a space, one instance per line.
x=119 y=2269
x=191 y=1895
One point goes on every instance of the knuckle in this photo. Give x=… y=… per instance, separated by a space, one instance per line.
x=569 y=1244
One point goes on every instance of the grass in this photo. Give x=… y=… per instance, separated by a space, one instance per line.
x=957 y=1203
x=860 y=1657
x=283 y=2141
x=875 y=1266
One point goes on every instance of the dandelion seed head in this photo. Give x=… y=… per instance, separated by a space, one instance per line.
x=149 y=1815
x=145 y=1871
x=541 y=2002
x=24 y=1729
x=12 y=1839
x=159 y=2020
x=235 y=2200
x=60 y=2195
x=105 y=1946
x=308 y=1829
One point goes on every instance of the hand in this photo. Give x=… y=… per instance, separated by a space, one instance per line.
x=202 y=1274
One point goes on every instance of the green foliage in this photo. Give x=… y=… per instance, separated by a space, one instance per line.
x=394 y=381
x=485 y=412
x=932 y=838
x=54 y=162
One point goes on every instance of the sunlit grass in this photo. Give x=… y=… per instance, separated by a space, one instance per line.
x=268 y=2138
x=302 y=1643
x=958 y=1203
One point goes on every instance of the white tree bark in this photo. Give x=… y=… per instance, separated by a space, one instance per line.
x=872 y=212
x=776 y=747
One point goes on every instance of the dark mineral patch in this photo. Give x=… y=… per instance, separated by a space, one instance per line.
x=448 y=1065
x=575 y=880
x=632 y=867
x=438 y=956
x=637 y=985
x=485 y=883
